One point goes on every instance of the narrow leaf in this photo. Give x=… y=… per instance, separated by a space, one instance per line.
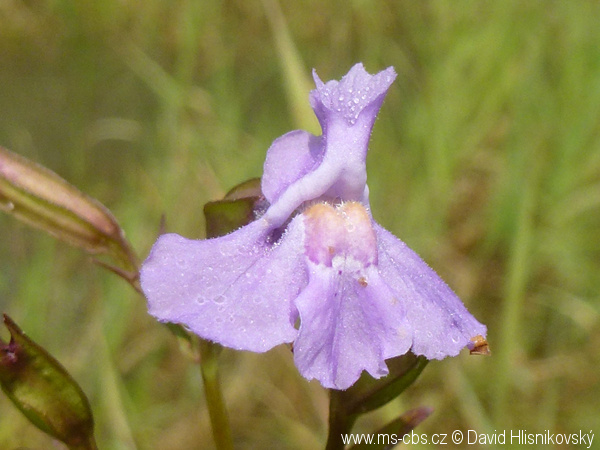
x=368 y=394
x=391 y=435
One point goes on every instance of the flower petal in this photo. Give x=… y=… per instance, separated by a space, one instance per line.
x=346 y=110
x=350 y=322
x=289 y=158
x=441 y=325
x=347 y=98
x=229 y=289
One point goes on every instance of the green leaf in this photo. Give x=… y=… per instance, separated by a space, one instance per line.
x=44 y=200
x=368 y=394
x=391 y=435
x=44 y=391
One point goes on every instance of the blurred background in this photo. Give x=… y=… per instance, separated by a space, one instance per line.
x=485 y=159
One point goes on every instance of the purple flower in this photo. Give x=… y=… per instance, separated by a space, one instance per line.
x=315 y=257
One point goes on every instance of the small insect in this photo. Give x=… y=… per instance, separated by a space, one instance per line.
x=480 y=346
x=363 y=282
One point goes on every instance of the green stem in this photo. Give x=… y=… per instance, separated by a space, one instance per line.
x=339 y=422
x=219 y=419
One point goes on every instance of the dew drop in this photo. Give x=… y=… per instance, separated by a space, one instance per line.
x=341 y=98
x=181 y=263
x=429 y=334
x=455 y=338
x=218 y=319
x=231 y=319
x=356 y=100
x=256 y=300
x=220 y=299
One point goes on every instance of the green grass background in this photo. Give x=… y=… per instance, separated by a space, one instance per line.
x=485 y=159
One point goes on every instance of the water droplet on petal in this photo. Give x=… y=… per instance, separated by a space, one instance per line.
x=200 y=300
x=220 y=299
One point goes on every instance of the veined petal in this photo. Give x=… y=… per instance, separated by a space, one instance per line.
x=349 y=322
x=235 y=290
x=441 y=325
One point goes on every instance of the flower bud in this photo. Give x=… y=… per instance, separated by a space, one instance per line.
x=238 y=208
x=44 y=200
x=44 y=391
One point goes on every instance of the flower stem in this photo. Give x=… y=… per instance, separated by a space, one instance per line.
x=219 y=419
x=339 y=421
